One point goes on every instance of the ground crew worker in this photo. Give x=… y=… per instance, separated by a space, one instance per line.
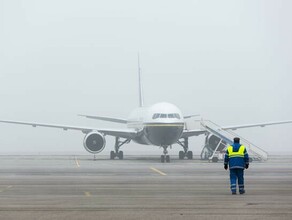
x=237 y=158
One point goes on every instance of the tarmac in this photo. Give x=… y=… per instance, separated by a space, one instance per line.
x=140 y=187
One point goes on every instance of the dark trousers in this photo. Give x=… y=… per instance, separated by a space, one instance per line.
x=236 y=175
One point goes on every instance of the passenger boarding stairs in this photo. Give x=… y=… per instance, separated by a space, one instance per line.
x=221 y=139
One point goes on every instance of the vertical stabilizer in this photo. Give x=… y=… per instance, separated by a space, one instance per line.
x=141 y=102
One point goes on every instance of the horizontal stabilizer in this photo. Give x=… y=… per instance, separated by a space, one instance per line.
x=116 y=120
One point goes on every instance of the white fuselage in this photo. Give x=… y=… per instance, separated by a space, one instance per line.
x=160 y=124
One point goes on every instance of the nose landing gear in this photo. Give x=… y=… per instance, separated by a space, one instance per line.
x=165 y=157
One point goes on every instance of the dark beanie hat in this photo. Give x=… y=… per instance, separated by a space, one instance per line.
x=236 y=140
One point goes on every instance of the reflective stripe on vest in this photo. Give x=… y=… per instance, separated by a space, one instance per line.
x=239 y=153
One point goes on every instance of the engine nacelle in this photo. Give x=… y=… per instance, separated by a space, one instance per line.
x=212 y=142
x=94 y=142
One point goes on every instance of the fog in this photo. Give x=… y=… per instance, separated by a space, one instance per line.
x=229 y=61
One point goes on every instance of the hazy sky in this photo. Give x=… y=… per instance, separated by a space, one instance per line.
x=229 y=61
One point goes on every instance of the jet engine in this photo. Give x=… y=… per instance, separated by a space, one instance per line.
x=211 y=143
x=94 y=142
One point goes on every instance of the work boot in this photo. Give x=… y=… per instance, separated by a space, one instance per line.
x=242 y=191
x=233 y=193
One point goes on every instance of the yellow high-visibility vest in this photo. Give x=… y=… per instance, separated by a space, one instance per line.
x=239 y=153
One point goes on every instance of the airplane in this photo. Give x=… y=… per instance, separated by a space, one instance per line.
x=161 y=124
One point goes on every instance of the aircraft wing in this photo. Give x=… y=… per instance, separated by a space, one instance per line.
x=234 y=127
x=189 y=133
x=117 y=120
x=124 y=133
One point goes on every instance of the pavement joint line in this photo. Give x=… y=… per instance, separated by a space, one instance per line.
x=158 y=171
x=77 y=162
x=87 y=194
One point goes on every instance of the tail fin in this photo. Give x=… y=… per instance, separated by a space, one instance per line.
x=141 y=101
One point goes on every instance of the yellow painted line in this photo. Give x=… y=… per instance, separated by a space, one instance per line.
x=87 y=194
x=8 y=187
x=77 y=162
x=158 y=171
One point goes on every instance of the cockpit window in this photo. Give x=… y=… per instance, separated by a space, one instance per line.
x=156 y=115
x=159 y=115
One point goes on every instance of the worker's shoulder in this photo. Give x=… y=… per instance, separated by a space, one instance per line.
x=243 y=148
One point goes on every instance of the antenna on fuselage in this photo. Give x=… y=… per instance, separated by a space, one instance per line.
x=141 y=102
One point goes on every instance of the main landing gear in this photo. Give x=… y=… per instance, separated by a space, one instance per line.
x=185 y=152
x=117 y=152
x=165 y=157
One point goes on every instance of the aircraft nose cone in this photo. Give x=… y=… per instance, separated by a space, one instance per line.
x=163 y=134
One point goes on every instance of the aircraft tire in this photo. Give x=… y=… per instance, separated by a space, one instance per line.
x=167 y=158
x=162 y=159
x=112 y=155
x=121 y=155
x=215 y=159
x=181 y=155
x=190 y=155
